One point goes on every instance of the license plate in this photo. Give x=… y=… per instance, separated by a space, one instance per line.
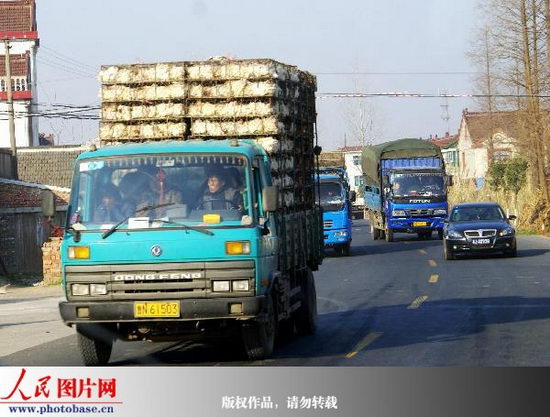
x=156 y=309
x=420 y=224
x=481 y=241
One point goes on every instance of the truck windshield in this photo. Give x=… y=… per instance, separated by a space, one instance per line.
x=418 y=184
x=203 y=190
x=331 y=196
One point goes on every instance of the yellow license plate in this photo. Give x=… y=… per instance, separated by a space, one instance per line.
x=156 y=309
x=419 y=224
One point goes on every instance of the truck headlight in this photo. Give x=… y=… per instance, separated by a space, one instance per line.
x=220 y=286
x=398 y=213
x=237 y=248
x=340 y=234
x=240 y=285
x=80 y=289
x=79 y=252
x=98 y=289
x=440 y=212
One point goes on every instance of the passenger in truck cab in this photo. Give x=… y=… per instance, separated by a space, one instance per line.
x=109 y=209
x=219 y=194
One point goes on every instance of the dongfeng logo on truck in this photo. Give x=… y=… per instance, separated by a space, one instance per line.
x=154 y=277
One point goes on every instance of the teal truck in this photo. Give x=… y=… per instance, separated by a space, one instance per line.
x=201 y=238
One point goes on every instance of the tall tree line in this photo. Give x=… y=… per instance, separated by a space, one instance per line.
x=512 y=52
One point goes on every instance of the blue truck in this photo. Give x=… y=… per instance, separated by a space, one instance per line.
x=203 y=238
x=405 y=188
x=335 y=199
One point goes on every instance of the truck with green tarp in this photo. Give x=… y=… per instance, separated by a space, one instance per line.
x=405 y=188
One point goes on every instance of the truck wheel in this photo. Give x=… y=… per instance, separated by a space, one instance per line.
x=305 y=317
x=259 y=336
x=448 y=254
x=346 y=249
x=374 y=232
x=440 y=234
x=95 y=343
x=389 y=235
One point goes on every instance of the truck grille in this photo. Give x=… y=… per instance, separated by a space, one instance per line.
x=419 y=213
x=328 y=223
x=161 y=281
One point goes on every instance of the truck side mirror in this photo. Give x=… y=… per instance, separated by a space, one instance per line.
x=48 y=203
x=512 y=217
x=270 y=198
x=450 y=180
x=352 y=196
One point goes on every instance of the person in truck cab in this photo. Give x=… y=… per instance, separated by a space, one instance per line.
x=219 y=195
x=109 y=209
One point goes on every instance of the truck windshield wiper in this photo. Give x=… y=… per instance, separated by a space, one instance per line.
x=185 y=226
x=109 y=232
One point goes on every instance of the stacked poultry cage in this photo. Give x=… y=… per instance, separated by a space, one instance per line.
x=257 y=99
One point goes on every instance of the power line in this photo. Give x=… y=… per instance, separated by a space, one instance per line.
x=400 y=73
x=64 y=68
x=66 y=58
x=400 y=94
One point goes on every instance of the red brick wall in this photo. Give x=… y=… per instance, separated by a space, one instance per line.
x=16 y=196
x=51 y=260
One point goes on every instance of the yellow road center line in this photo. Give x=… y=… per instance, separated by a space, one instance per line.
x=432 y=262
x=422 y=251
x=418 y=302
x=370 y=338
x=433 y=278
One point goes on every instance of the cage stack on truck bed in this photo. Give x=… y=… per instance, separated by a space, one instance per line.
x=262 y=100
x=197 y=260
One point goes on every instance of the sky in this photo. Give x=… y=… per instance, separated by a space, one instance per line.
x=392 y=41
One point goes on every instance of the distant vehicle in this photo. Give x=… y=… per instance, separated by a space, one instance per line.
x=478 y=228
x=405 y=188
x=336 y=200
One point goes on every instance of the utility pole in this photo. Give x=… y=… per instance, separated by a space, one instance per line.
x=11 y=115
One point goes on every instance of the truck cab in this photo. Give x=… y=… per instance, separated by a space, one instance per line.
x=153 y=250
x=416 y=201
x=335 y=199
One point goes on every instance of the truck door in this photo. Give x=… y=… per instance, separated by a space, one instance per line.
x=268 y=245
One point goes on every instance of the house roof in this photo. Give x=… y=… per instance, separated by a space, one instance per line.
x=48 y=165
x=19 y=65
x=20 y=194
x=350 y=149
x=444 y=141
x=482 y=125
x=17 y=16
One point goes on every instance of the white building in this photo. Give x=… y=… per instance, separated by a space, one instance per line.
x=18 y=25
x=352 y=160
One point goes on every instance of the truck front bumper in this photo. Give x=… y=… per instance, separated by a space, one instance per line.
x=415 y=225
x=190 y=309
x=336 y=237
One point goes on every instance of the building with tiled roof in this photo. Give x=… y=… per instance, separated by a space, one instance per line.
x=18 y=27
x=478 y=130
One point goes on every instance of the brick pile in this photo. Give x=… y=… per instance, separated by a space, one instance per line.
x=51 y=260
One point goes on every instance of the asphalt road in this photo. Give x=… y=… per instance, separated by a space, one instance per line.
x=388 y=304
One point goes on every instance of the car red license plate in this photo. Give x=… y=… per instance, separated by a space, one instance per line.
x=481 y=241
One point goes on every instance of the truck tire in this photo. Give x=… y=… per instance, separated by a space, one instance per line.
x=259 y=336
x=305 y=318
x=346 y=249
x=389 y=235
x=374 y=232
x=95 y=343
x=440 y=234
